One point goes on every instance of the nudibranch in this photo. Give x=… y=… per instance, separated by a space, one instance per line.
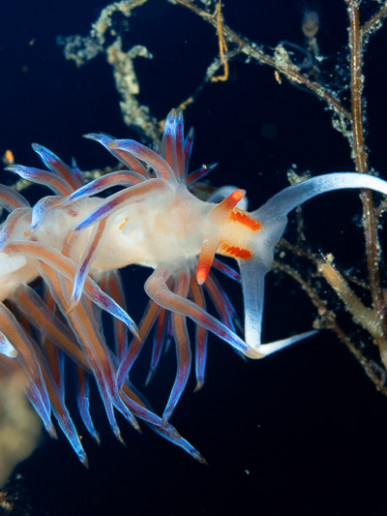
x=59 y=264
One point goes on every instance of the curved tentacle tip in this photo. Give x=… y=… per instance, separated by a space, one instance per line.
x=12 y=168
x=91 y=136
x=135 y=331
x=97 y=438
x=51 y=431
x=81 y=454
x=83 y=458
x=150 y=376
x=102 y=138
x=199 y=457
x=119 y=437
x=198 y=386
x=135 y=424
x=38 y=148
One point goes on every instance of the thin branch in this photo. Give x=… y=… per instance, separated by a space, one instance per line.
x=362 y=315
x=374 y=22
x=222 y=44
x=253 y=51
x=360 y=157
x=330 y=322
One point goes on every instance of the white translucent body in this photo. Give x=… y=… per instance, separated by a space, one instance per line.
x=167 y=231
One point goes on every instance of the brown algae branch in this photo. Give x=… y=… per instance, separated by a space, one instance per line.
x=329 y=321
x=374 y=23
x=360 y=156
x=251 y=50
x=328 y=316
x=356 y=66
x=363 y=316
x=222 y=44
x=303 y=253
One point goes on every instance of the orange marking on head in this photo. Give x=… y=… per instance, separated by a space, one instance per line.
x=242 y=218
x=236 y=252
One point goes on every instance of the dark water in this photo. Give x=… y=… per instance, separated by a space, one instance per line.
x=302 y=432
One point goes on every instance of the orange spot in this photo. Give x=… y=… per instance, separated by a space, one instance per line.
x=236 y=252
x=242 y=218
x=123 y=223
x=8 y=158
x=277 y=77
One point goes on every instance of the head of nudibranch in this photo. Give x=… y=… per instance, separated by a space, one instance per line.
x=75 y=240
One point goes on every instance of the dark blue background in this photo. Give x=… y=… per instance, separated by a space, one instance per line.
x=302 y=432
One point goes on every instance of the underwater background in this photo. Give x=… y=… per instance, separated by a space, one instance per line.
x=301 y=432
